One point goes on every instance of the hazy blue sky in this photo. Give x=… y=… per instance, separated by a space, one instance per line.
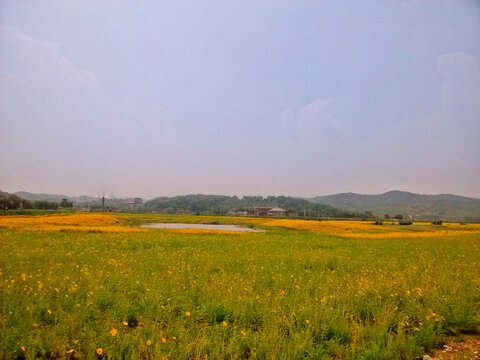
x=299 y=98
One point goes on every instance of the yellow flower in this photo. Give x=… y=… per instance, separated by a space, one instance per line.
x=24 y=277
x=113 y=332
x=125 y=323
x=99 y=351
x=23 y=348
x=224 y=323
x=149 y=342
x=188 y=313
x=244 y=333
x=70 y=351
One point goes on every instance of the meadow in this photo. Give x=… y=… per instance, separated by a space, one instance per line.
x=99 y=286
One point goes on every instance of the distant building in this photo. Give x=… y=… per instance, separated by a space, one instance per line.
x=268 y=211
x=134 y=201
x=276 y=211
x=261 y=210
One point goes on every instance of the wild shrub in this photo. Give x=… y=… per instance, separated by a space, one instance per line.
x=220 y=314
x=132 y=319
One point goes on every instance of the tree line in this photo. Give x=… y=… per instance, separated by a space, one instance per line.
x=221 y=205
x=193 y=204
x=14 y=202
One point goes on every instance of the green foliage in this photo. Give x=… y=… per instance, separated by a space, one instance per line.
x=405 y=222
x=220 y=205
x=13 y=202
x=131 y=318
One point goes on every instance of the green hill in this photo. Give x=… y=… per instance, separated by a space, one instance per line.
x=53 y=197
x=220 y=204
x=427 y=207
x=45 y=197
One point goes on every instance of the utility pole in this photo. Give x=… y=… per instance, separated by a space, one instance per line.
x=103 y=204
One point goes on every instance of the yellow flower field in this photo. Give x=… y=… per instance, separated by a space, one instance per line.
x=366 y=229
x=349 y=229
x=75 y=222
x=91 y=286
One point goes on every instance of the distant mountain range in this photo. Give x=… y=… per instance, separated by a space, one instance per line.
x=52 y=197
x=418 y=206
x=428 y=207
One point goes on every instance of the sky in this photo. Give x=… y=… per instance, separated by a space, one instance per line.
x=300 y=98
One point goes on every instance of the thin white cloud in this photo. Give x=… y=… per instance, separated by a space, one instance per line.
x=449 y=131
x=42 y=61
x=47 y=104
x=315 y=115
x=461 y=79
x=287 y=118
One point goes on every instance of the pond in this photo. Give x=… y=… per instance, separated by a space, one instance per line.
x=200 y=226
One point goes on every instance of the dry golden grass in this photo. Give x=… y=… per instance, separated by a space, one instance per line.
x=75 y=222
x=86 y=228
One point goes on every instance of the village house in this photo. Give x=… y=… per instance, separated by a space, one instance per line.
x=276 y=211
x=268 y=211
x=133 y=201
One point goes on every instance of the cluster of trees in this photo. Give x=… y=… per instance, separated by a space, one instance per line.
x=220 y=205
x=192 y=204
x=13 y=202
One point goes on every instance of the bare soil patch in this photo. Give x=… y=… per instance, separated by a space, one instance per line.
x=460 y=347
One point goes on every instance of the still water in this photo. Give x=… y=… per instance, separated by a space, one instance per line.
x=199 y=226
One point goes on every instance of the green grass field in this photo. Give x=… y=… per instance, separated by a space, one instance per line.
x=280 y=294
